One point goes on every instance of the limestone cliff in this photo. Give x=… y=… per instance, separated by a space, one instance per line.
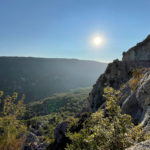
x=137 y=102
x=139 y=52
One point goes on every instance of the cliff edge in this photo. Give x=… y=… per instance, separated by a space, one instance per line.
x=140 y=52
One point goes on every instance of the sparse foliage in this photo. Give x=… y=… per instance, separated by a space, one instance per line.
x=12 y=129
x=137 y=75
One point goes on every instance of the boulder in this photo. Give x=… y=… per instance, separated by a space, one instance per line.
x=60 y=139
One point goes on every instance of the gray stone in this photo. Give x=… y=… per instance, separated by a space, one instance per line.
x=139 y=52
x=141 y=146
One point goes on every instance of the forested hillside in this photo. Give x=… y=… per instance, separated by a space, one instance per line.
x=38 y=78
x=65 y=104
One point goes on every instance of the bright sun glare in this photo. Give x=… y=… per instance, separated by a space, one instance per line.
x=97 y=40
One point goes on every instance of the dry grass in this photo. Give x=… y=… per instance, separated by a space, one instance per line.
x=135 y=81
x=11 y=144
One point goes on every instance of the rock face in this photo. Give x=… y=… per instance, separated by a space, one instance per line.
x=141 y=146
x=137 y=102
x=33 y=142
x=140 y=52
x=60 y=138
x=117 y=73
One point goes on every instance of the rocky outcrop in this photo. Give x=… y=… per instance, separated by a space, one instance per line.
x=140 y=52
x=60 y=138
x=60 y=132
x=33 y=142
x=137 y=102
x=117 y=73
x=141 y=146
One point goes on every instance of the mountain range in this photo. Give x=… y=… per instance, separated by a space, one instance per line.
x=39 y=78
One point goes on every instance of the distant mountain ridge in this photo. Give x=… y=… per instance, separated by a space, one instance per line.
x=41 y=77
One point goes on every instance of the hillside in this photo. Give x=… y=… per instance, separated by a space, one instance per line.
x=71 y=102
x=38 y=78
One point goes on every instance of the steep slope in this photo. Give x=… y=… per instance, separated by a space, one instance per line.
x=40 y=77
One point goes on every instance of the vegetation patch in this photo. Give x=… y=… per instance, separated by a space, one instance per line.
x=137 y=75
x=107 y=129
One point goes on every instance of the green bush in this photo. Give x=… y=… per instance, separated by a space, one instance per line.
x=107 y=129
x=12 y=128
x=137 y=75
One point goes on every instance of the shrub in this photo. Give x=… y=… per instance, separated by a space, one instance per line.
x=107 y=129
x=12 y=128
x=137 y=75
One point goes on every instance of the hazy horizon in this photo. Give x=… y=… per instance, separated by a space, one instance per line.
x=57 y=58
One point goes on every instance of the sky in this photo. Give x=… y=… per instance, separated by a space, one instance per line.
x=64 y=28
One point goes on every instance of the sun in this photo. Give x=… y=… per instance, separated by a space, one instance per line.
x=97 y=40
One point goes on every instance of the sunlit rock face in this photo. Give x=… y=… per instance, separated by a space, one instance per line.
x=137 y=103
x=140 y=52
x=116 y=74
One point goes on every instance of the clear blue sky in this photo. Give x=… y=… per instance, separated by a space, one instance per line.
x=63 y=28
